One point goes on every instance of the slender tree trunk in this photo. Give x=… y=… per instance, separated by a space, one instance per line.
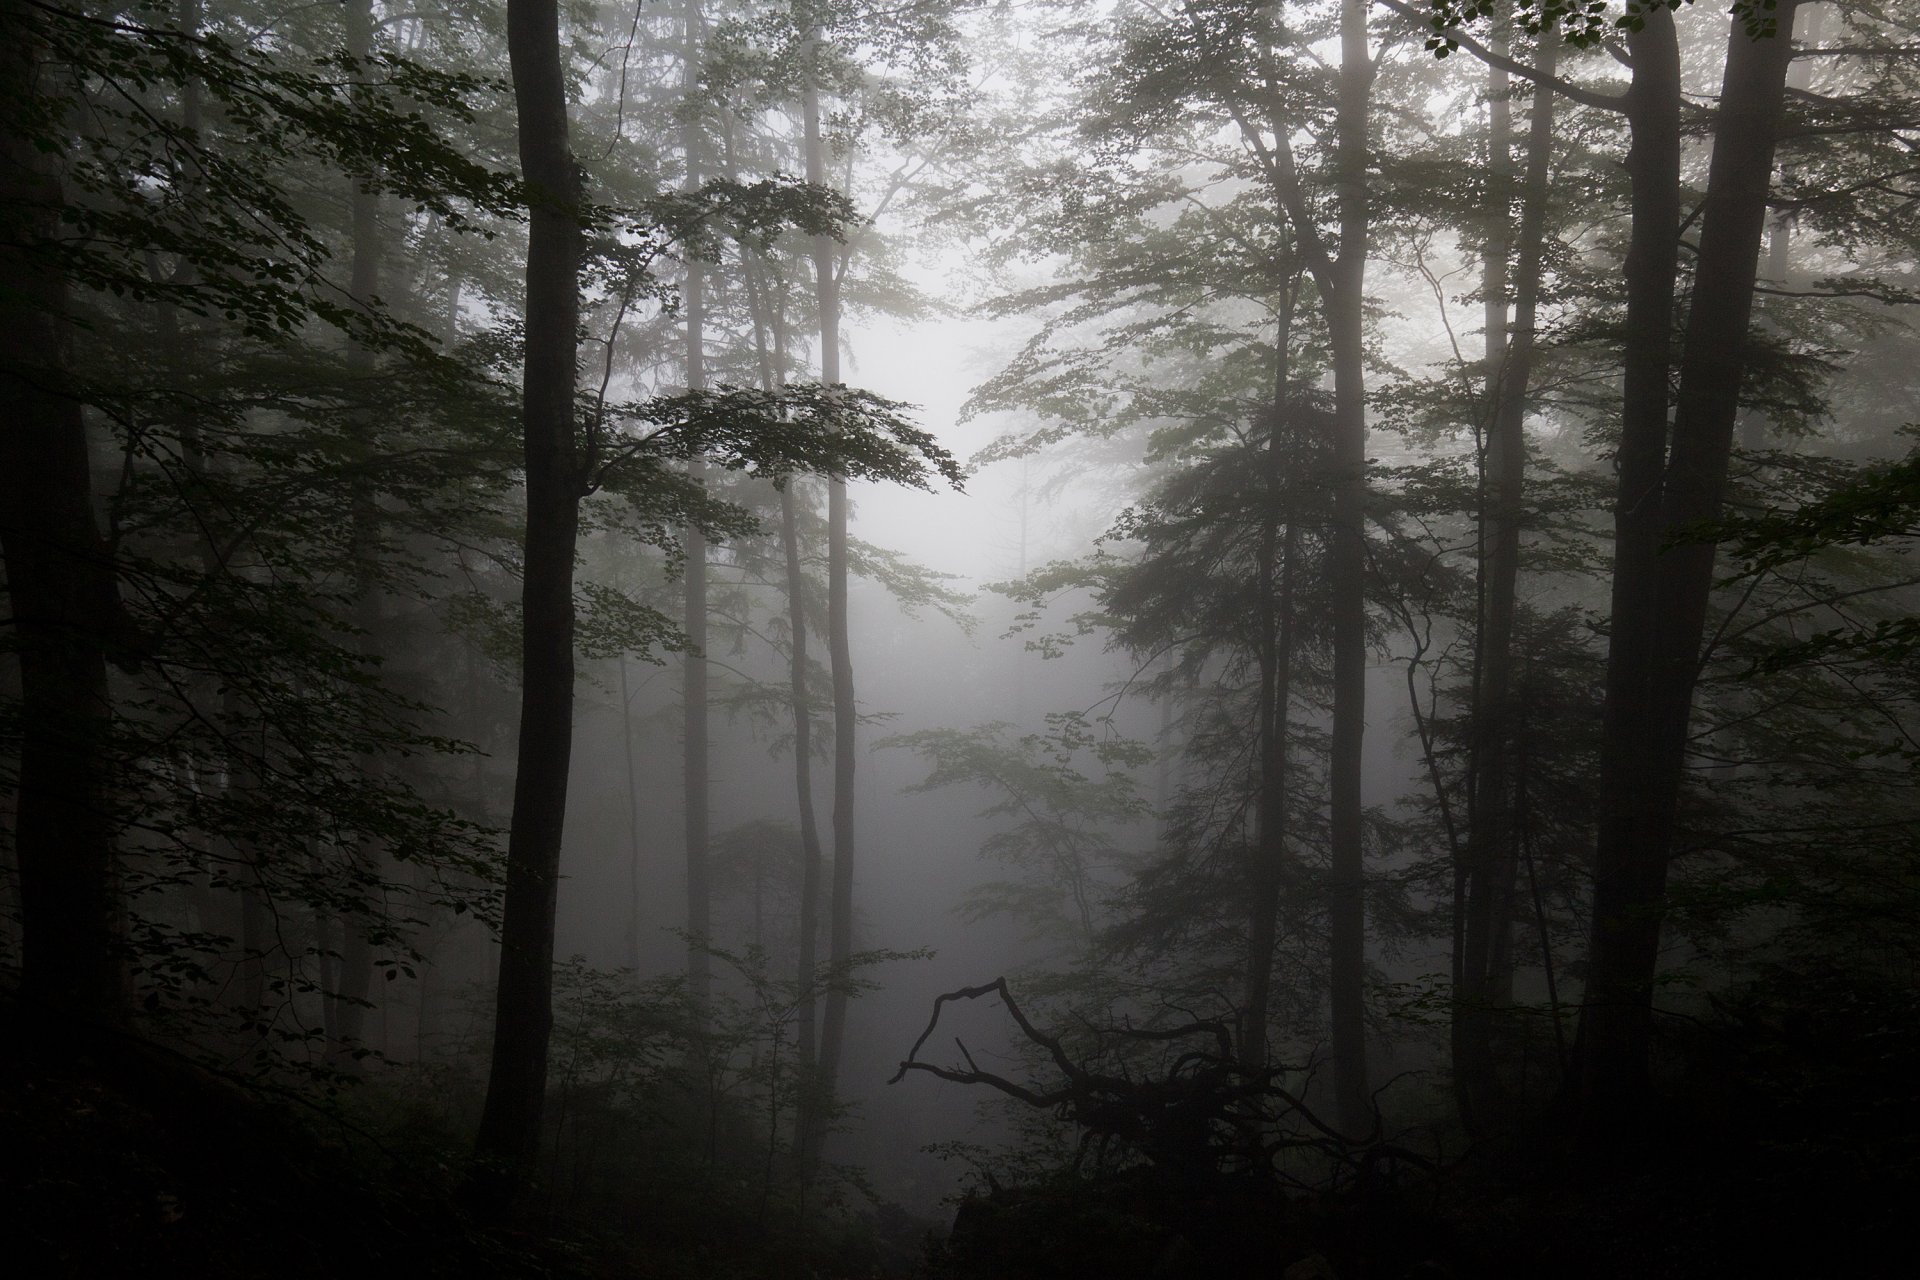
x=1779 y=262
x=771 y=344
x=811 y=859
x=356 y=953
x=839 y=650
x=64 y=596
x=694 y=693
x=633 y=822
x=1484 y=980
x=250 y=920
x=694 y=768
x=509 y=1136
x=1661 y=580
x=1275 y=644
x=1630 y=810
x=1341 y=282
x=1353 y=1103
x=767 y=316
x=1163 y=740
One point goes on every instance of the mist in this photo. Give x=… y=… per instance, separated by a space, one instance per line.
x=959 y=640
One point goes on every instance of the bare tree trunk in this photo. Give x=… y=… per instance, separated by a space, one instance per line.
x=694 y=682
x=1275 y=646
x=64 y=596
x=1630 y=810
x=1484 y=980
x=1340 y=281
x=633 y=822
x=1661 y=580
x=809 y=822
x=1353 y=1103
x=1779 y=262
x=839 y=650
x=772 y=374
x=356 y=954
x=694 y=768
x=509 y=1136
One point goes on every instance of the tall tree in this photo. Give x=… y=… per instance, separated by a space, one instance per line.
x=694 y=690
x=349 y=1001
x=1512 y=265
x=826 y=266
x=509 y=1134
x=1671 y=484
x=1672 y=465
x=1273 y=645
x=1338 y=266
x=60 y=577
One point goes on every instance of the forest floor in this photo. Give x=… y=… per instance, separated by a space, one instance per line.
x=120 y=1160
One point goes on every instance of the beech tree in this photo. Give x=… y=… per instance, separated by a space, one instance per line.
x=1671 y=480
x=214 y=241
x=523 y=1016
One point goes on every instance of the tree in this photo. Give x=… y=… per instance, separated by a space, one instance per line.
x=60 y=578
x=1234 y=63
x=210 y=235
x=826 y=277
x=516 y=1086
x=694 y=692
x=1485 y=882
x=1671 y=480
x=1660 y=589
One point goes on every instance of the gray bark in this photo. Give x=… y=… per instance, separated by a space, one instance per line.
x=509 y=1138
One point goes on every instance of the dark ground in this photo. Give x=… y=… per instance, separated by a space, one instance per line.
x=118 y=1159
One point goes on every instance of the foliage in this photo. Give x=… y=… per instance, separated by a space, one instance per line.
x=1582 y=23
x=144 y=181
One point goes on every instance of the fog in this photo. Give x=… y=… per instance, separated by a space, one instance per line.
x=1073 y=638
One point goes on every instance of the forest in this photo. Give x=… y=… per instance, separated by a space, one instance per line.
x=959 y=639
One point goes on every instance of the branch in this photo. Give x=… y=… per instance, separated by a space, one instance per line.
x=1455 y=36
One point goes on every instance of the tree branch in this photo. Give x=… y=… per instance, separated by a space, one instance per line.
x=1565 y=88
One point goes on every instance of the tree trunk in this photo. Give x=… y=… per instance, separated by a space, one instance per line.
x=356 y=954
x=249 y=919
x=64 y=597
x=1779 y=263
x=1661 y=581
x=1353 y=1103
x=1484 y=980
x=1630 y=811
x=694 y=666
x=1340 y=282
x=1275 y=647
x=809 y=822
x=839 y=650
x=694 y=770
x=773 y=372
x=633 y=823
x=509 y=1136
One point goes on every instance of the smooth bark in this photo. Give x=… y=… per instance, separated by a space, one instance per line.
x=1340 y=280
x=811 y=858
x=351 y=997
x=509 y=1135
x=1483 y=979
x=63 y=592
x=633 y=822
x=1274 y=647
x=1347 y=557
x=694 y=674
x=840 y=657
x=1662 y=576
